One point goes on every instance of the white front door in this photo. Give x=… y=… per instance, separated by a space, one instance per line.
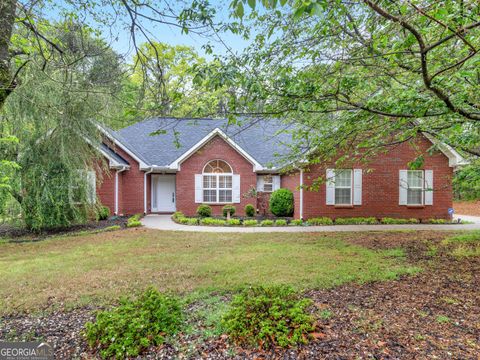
x=163 y=193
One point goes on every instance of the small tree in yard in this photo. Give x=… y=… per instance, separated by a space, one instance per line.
x=281 y=202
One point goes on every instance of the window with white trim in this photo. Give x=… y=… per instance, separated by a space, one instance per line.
x=343 y=187
x=415 y=186
x=217 y=182
x=267 y=183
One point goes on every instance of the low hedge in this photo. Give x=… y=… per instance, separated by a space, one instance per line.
x=394 y=221
x=212 y=222
x=250 y=222
x=320 y=221
x=266 y=223
x=356 y=221
x=281 y=222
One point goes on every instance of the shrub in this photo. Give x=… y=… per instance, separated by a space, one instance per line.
x=234 y=222
x=281 y=202
x=177 y=215
x=281 y=222
x=438 y=221
x=249 y=210
x=212 y=222
x=393 y=221
x=356 y=221
x=228 y=208
x=112 y=228
x=188 y=221
x=134 y=325
x=296 y=222
x=103 y=213
x=266 y=223
x=266 y=317
x=134 y=221
x=320 y=221
x=250 y=222
x=204 y=211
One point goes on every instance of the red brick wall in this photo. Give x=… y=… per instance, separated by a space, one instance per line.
x=106 y=188
x=217 y=148
x=380 y=190
x=130 y=186
x=292 y=182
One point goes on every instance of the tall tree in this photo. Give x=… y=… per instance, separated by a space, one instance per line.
x=373 y=73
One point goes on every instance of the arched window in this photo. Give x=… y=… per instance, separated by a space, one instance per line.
x=217 y=182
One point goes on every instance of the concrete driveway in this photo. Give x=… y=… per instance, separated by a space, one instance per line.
x=164 y=222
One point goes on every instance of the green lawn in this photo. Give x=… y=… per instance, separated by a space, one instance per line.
x=75 y=270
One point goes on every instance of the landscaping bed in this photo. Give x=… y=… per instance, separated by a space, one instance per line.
x=21 y=234
x=263 y=221
x=434 y=313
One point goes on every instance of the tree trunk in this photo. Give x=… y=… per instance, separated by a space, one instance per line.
x=7 y=21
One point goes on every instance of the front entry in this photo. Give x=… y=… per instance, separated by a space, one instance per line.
x=163 y=193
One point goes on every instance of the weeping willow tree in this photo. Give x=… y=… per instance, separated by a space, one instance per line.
x=52 y=115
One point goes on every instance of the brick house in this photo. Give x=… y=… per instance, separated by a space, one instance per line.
x=191 y=162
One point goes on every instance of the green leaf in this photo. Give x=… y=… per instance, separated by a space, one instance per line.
x=252 y=3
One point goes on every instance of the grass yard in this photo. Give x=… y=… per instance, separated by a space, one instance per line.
x=77 y=270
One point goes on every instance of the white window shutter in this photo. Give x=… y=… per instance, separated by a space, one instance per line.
x=276 y=182
x=260 y=183
x=357 y=186
x=428 y=187
x=198 y=188
x=402 y=187
x=92 y=186
x=330 y=192
x=236 y=188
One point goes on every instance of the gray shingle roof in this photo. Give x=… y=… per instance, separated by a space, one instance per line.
x=264 y=140
x=112 y=154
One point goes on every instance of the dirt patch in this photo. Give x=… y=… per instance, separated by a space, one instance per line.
x=19 y=234
x=467 y=207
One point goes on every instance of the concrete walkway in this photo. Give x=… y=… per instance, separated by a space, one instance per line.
x=164 y=222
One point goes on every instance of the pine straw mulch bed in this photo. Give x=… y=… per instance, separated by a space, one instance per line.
x=21 y=234
x=467 y=207
x=435 y=314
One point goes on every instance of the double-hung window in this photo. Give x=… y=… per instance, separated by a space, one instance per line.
x=217 y=182
x=267 y=183
x=415 y=182
x=343 y=187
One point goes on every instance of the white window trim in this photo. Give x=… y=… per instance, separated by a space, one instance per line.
x=268 y=183
x=217 y=180
x=344 y=187
x=422 y=188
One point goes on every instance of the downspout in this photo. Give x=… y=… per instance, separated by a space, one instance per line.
x=145 y=189
x=116 y=187
x=301 y=194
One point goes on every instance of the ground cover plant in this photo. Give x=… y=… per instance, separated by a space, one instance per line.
x=134 y=221
x=135 y=324
x=266 y=317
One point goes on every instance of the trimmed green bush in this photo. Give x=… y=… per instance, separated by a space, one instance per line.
x=281 y=202
x=320 y=221
x=177 y=215
x=250 y=222
x=356 y=221
x=135 y=325
x=134 y=221
x=267 y=317
x=266 y=223
x=112 y=228
x=281 y=222
x=212 y=222
x=249 y=210
x=188 y=221
x=204 y=211
x=103 y=213
x=394 y=221
x=228 y=208
x=438 y=221
x=234 y=222
x=296 y=222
